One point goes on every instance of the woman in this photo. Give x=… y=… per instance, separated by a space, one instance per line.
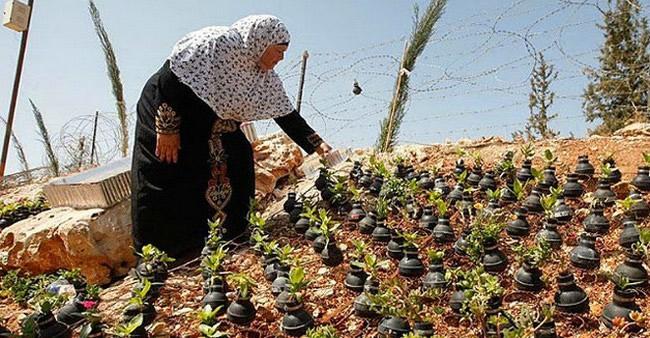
x=191 y=161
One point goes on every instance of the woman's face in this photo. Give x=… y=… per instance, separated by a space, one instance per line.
x=271 y=56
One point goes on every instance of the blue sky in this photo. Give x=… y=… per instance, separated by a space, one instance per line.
x=471 y=81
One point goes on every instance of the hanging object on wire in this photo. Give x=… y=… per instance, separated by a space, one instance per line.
x=356 y=90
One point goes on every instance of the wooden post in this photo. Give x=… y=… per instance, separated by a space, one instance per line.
x=92 y=146
x=14 y=94
x=391 y=115
x=305 y=56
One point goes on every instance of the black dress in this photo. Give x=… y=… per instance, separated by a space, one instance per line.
x=214 y=177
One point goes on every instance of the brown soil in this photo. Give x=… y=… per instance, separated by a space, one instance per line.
x=331 y=303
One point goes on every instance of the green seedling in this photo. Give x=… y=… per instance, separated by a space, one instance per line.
x=212 y=331
x=534 y=255
x=372 y=265
x=435 y=256
x=208 y=316
x=527 y=151
x=244 y=284
x=325 y=331
x=549 y=158
x=126 y=329
x=297 y=282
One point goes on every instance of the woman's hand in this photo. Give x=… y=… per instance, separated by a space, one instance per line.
x=323 y=149
x=167 y=146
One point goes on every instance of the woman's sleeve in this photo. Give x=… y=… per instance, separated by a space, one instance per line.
x=170 y=92
x=299 y=131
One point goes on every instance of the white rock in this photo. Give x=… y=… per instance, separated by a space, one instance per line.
x=96 y=241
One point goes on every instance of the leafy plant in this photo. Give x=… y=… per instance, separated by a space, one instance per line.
x=328 y=228
x=257 y=222
x=310 y=214
x=113 y=72
x=389 y=300
x=462 y=177
x=415 y=335
x=527 y=321
x=478 y=159
x=340 y=192
x=410 y=239
x=94 y=322
x=399 y=160
x=435 y=256
x=269 y=248
x=213 y=262
x=534 y=255
x=152 y=254
x=45 y=302
x=244 y=284
x=381 y=208
x=557 y=192
x=395 y=299
x=208 y=316
x=20 y=288
x=126 y=329
x=485 y=226
x=527 y=151
x=285 y=255
x=538 y=175
x=92 y=291
x=624 y=206
x=297 y=282
x=20 y=152
x=215 y=228
x=606 y=170
x=259 y=239
x=549 y=158
x=395 y=189
x=434 y=196
x=72 y=276
x=212 y=331
x=324 y=331
x=416 y=299
x=360 y=248
x=620 y=281
x=460 y=152
x=357 y=194
x=140 y=293
x=442 y=208
x=518 y=189
x=642 y=247
x=52 y=159
x=378 y=167
x=381 y=302
x=29 y=326
x=493 y=195
x=548 y=203
x=372 y=265
x=480 y=287
x=506 y=168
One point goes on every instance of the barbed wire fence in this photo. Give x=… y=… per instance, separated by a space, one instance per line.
x=458 y=69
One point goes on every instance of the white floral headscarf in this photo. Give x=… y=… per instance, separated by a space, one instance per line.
x=220 y=65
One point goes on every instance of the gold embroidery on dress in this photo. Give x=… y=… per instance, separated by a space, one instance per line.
x=167 y=121
x=219 y=188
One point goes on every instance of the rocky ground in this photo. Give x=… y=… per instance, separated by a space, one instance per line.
x=331 y=303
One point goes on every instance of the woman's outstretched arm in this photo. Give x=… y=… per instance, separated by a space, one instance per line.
x=300 y=132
